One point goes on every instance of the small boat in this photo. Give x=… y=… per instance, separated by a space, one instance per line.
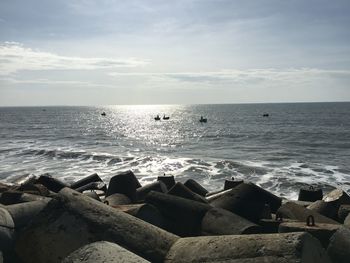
x=203 y=119
x=166 y=118
x=103 y=114
x=266 y=115
x=157 y=118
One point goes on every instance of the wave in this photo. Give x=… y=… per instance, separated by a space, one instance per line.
x=282 y=177
x=74 y=155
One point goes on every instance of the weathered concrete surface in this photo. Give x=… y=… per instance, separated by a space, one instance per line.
x=72 y=220
x=101 y=186
x=92 y=194
x=117 y=199
x=297 y=212
x=51 y=183
x=337 y=195
x=343 y=212
x=328 y=209
x=347 y=221
x=16 y=197
x=298 y=202
x=23 y=213
x=247 y=200
x=310 y=193
x=124 y=183
x=215 y=195
x=219 y=221
x=270 y=226
x=321 y=231
x=158 y=186
x=229 y=184
x=145 y=212
x=183 y=215
x=6 y=230
x=86 y=180
x=181 y=190
x=290 y=247
x=195 y=187
x=169 y=180
x=103 y=251
x=339 y=246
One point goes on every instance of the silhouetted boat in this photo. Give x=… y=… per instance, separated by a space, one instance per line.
x=266 y=115
x=103 y=114
x=157 y=118
x=165 y=118
x=203 y=119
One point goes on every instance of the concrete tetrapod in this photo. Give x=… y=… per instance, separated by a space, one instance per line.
x=247 y=200
x=72 y=220
x=338 y=248
x=184 y=215
x=169 y=180
x=103 y=251
x=117 y=199
x=157 y=186
x=343 y=212
x=328 y=209
x=219 y=221
x=291 y=247
x=145 y=212
x=23 y=213
x=310 y=193
x=181 y=190
x=124 y=183
x=51 y=183
x=297 y=212
x=195 y=187
x=321 y=231
x=6 y=230
x=86 y=180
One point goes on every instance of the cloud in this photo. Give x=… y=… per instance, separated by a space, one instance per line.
x=15 y=57
x=244 y=76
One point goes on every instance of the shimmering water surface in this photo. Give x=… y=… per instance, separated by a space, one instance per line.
x=297 y=144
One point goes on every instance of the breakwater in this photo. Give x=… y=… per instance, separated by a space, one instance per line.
x=47 y=220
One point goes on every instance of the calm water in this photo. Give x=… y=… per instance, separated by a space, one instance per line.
x=295 y=145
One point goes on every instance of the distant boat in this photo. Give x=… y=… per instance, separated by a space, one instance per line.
x=103 y=114
x=266 y=115
x=157 y=118
x=203 y=119
x=166 y=118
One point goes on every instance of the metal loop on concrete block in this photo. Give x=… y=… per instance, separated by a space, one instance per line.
x=279 y=217
x=310 y=220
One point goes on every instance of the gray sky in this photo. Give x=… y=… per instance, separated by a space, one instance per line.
x=93 y=52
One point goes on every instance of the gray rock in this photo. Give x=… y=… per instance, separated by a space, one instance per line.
x=267 y=248
x=103 y=251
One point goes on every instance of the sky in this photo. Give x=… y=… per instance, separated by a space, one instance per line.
x=112 y=52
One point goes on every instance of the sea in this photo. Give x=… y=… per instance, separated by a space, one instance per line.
x=297 y=144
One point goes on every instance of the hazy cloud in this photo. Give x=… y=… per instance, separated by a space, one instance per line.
x=270 y=75
x=15 y=57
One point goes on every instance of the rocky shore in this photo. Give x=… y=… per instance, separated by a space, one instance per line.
x=44 y=220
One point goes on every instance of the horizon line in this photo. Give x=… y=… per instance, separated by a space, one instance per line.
x=171 y=104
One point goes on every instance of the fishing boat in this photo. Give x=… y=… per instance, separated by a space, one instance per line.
x=157 y=118
x=103 y=114
x=166 y=117
x=203 y=119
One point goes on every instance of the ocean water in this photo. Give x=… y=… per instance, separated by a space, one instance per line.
x=297 y=144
